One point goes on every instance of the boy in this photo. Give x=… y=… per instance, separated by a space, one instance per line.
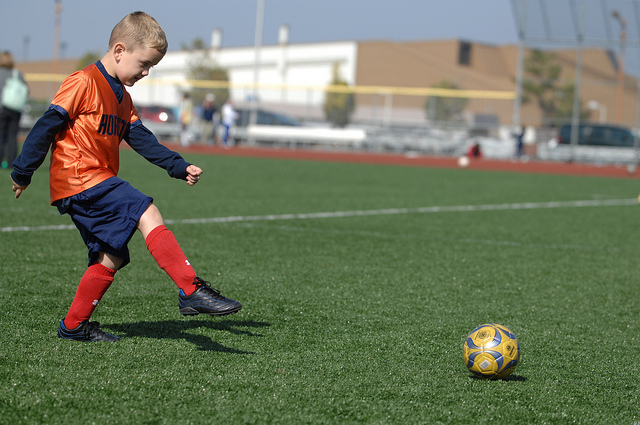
x=88 y=118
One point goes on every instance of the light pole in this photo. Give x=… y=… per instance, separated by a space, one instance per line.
x=25 y=47
x=620 y=90
x=56 y=35
x=257 y=47
x=55 y=68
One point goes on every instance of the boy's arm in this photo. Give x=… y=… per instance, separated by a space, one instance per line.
x=36 y=146
x=146 y=144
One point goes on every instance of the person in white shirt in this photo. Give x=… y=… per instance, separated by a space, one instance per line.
x=229 y=116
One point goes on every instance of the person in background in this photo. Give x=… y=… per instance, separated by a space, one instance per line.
x=9 y=118
x=208 y=119
x=186 y=117
x=475 y=151
x=519 y=136
x=229 y=116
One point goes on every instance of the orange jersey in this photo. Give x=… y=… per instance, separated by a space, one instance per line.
x=86 y=152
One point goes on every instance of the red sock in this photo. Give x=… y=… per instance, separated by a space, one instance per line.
x=164 y=248
x=93 y=285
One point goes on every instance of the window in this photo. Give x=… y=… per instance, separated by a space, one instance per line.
x=464 y=53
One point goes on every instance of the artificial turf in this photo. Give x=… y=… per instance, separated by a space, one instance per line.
x=347 y=318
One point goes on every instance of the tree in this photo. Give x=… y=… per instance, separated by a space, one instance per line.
x=338 y=104
x=542 y=84
x=202 y=67
x=440 y=108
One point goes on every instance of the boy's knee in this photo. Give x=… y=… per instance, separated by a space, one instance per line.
x=152 y=214
x=150 y=220
x=109 y=260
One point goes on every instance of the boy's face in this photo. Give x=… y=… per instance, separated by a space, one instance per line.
x=133 y=65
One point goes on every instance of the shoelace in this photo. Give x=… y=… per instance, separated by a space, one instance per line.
x=93 y=328
x=204 y=285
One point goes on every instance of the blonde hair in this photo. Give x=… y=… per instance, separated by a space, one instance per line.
x=6 y=60
x=138 y=29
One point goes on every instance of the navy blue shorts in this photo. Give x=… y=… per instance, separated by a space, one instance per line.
x=107 y=216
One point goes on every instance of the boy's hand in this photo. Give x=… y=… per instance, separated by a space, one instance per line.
x=18 y=189
x=194 y=175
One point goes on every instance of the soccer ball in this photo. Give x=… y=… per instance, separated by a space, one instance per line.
x=491 y=351
x=463 y=162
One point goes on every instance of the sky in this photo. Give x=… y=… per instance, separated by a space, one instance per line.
x=27 y=26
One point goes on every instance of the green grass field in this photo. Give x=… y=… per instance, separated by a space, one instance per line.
x=348 y=318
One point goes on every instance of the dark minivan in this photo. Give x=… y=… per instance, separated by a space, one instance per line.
x=598 y=135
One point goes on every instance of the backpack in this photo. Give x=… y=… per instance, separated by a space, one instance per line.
x=15 y=93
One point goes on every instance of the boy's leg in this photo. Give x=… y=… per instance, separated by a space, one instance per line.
x=196 y=296
x=95 y=282
x=92 y=287
x=164 y=248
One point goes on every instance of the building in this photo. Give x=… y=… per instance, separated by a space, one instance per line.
x=390 y=78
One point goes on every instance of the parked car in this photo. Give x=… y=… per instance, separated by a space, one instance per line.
x=597 y=143
x=265 y=118
x=598 y=135
x=161 y=120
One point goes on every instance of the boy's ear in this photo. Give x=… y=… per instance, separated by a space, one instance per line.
x=118 y=50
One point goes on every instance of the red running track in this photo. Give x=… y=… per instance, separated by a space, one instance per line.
x=540 y=167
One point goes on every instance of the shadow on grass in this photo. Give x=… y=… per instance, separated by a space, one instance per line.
x=179 y=329
x=515 y=378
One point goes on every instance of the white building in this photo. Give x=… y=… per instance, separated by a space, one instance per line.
x=303 y=69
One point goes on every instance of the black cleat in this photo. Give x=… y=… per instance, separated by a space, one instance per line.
x=85 y=331
x=206 y=300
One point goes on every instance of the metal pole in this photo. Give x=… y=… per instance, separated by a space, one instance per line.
x=56 y=36
x=253 y=113
x=519 y=12
x=636 y=136
x=25 y=48
x=620 y=89
x=56 y=44
x=575 y=119
x=517 y=102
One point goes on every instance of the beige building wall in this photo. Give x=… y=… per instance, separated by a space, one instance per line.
x=423 y=64
x=45 y=90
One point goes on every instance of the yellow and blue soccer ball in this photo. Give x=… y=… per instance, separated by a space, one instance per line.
x=491 y=351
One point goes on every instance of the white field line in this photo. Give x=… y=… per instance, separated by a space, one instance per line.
x=361 y=213
x=383 y=235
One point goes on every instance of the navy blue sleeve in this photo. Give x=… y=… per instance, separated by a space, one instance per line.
x=36 y=146
x=146 y=144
